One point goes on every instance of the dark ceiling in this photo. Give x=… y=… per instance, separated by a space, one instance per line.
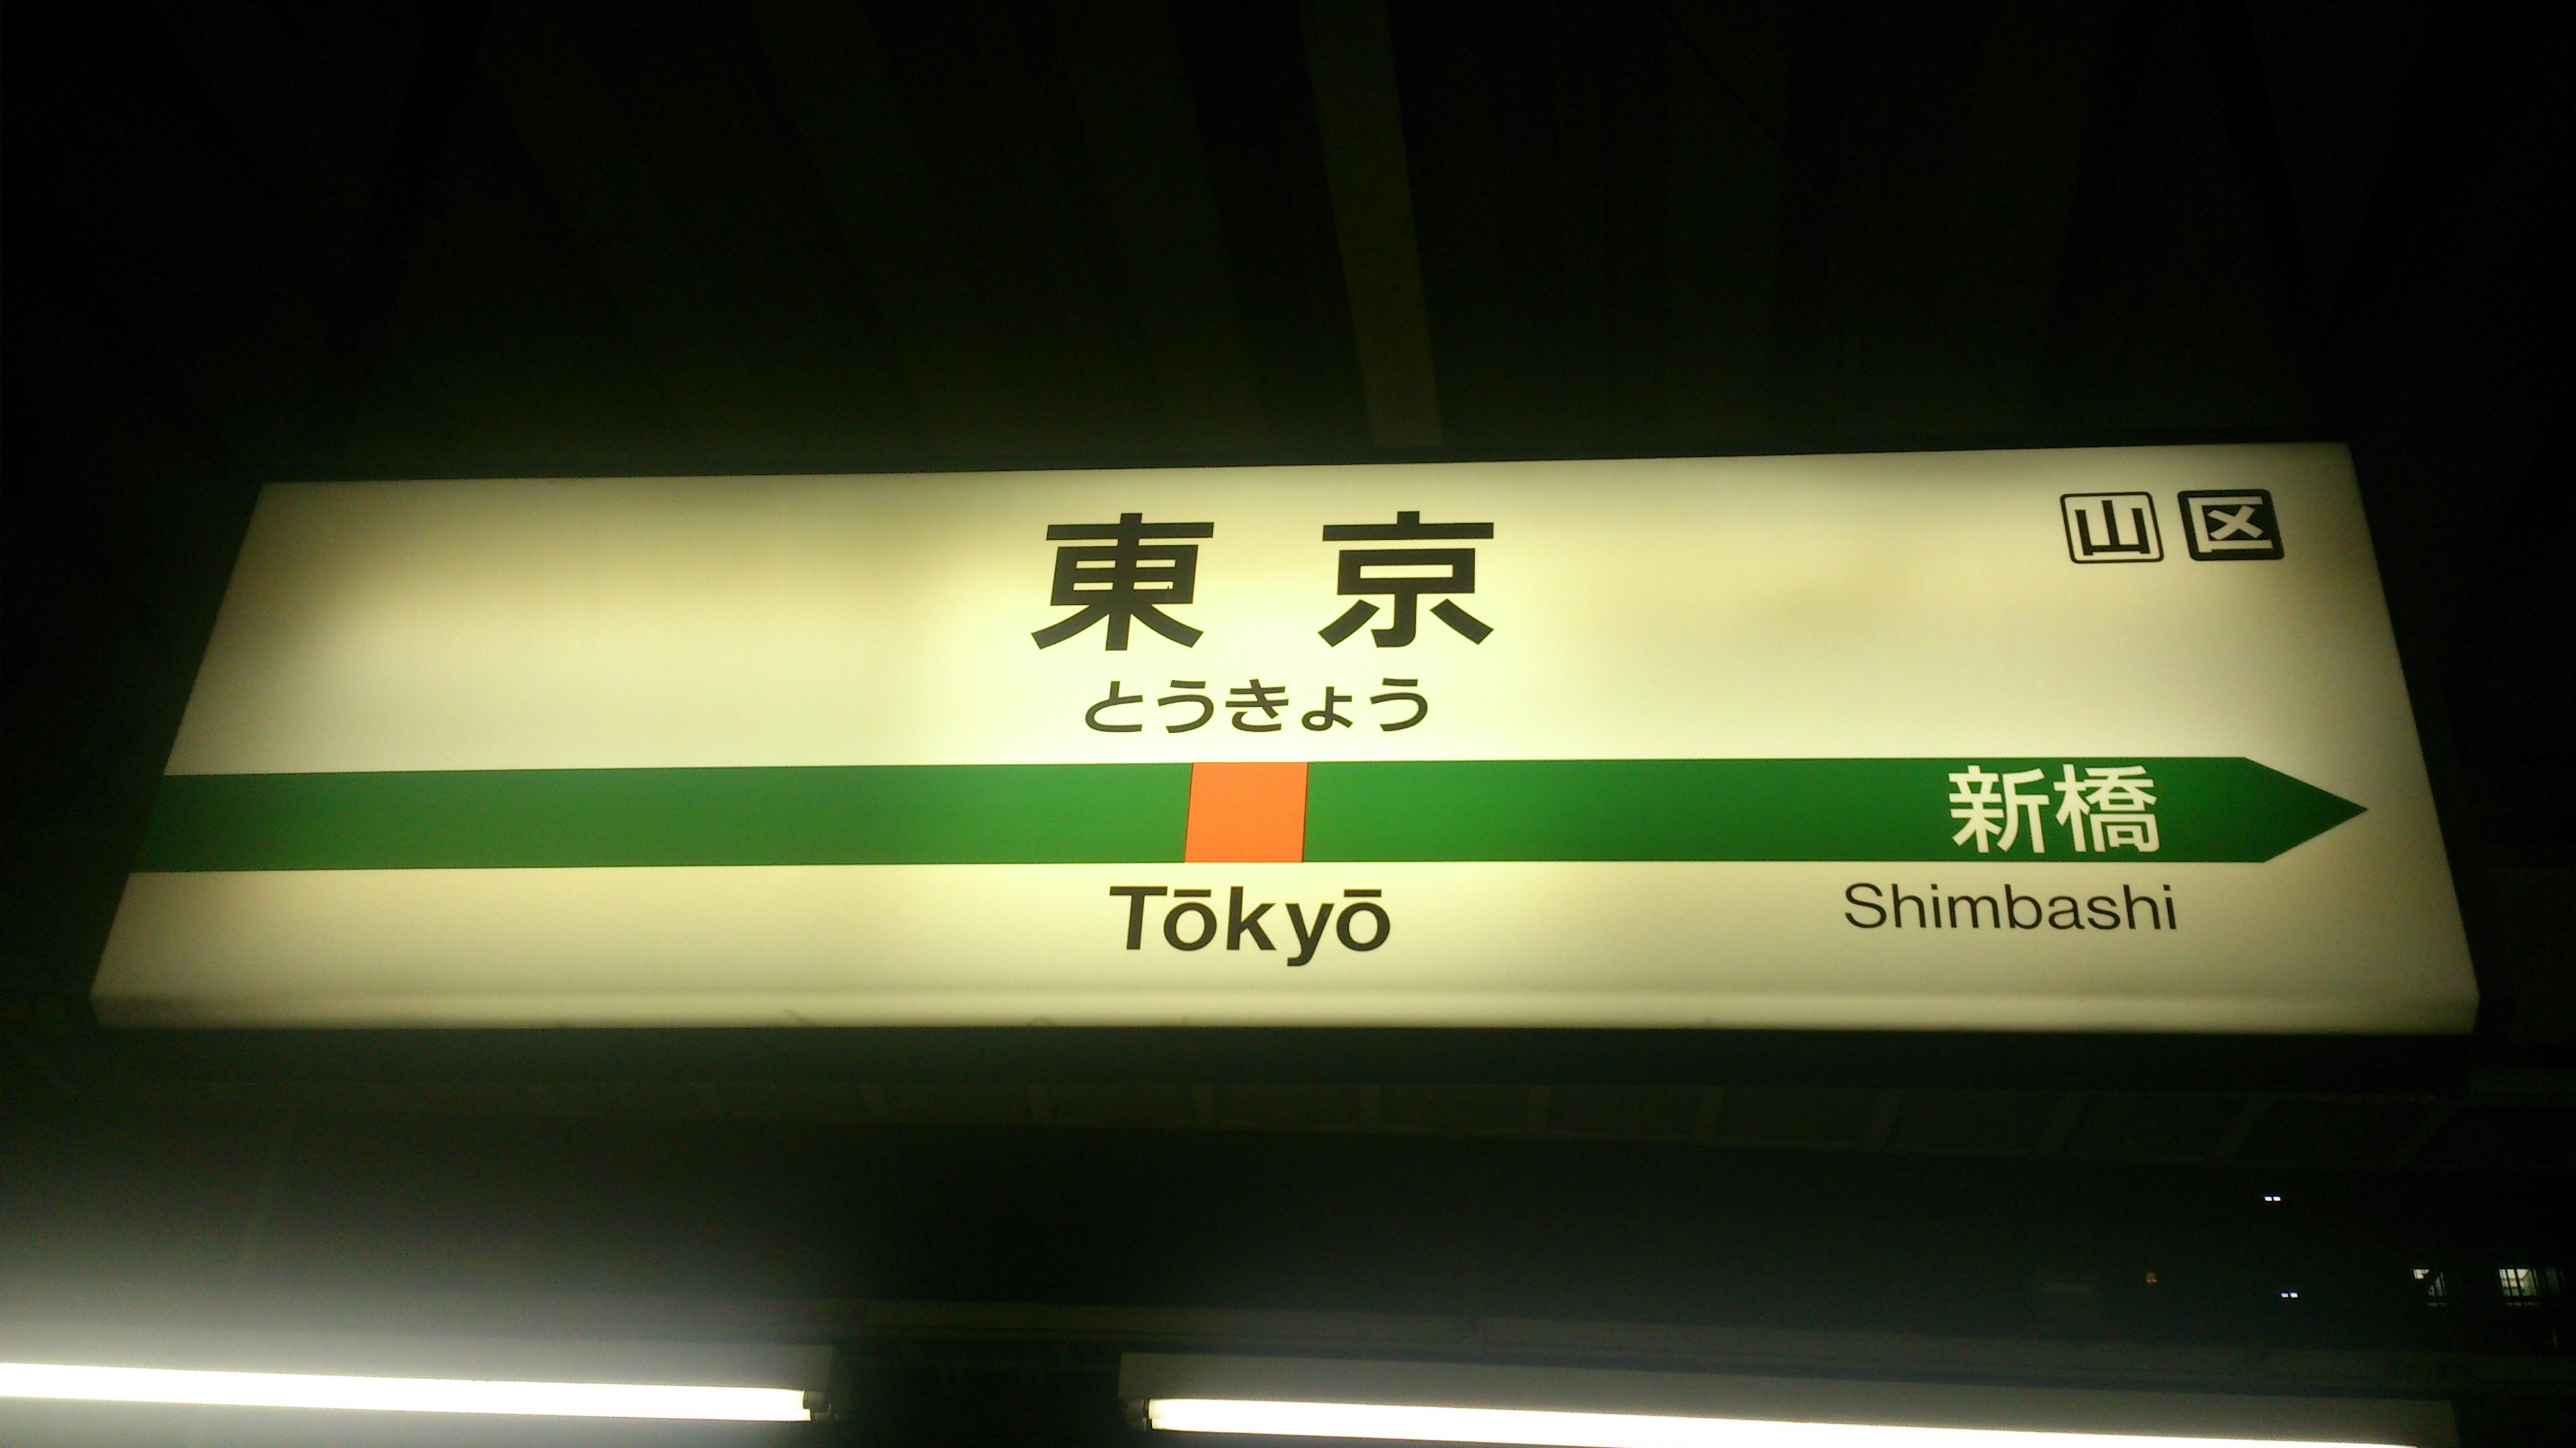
x=275 y=240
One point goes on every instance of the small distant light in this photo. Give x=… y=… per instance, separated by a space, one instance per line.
x=2290 y=1295
x=2151 y=1279
x=2271 y=1197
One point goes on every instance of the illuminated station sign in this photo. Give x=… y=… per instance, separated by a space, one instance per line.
x=2101 y=739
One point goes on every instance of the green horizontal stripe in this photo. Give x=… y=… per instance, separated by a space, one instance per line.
x=1599 y=809
x=2207 y=809
x=967 y=814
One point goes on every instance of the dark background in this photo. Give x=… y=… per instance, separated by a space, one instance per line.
x=262 y=241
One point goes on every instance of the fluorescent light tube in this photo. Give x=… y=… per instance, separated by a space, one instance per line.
x=403 y=1395
x=1554 y=1429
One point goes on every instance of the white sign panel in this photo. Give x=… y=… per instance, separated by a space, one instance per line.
x=2104 y=739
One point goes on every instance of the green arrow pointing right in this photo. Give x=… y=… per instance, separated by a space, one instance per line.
x=2205 y=809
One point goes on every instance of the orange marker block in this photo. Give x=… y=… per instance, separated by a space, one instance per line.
x=1246 y=812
